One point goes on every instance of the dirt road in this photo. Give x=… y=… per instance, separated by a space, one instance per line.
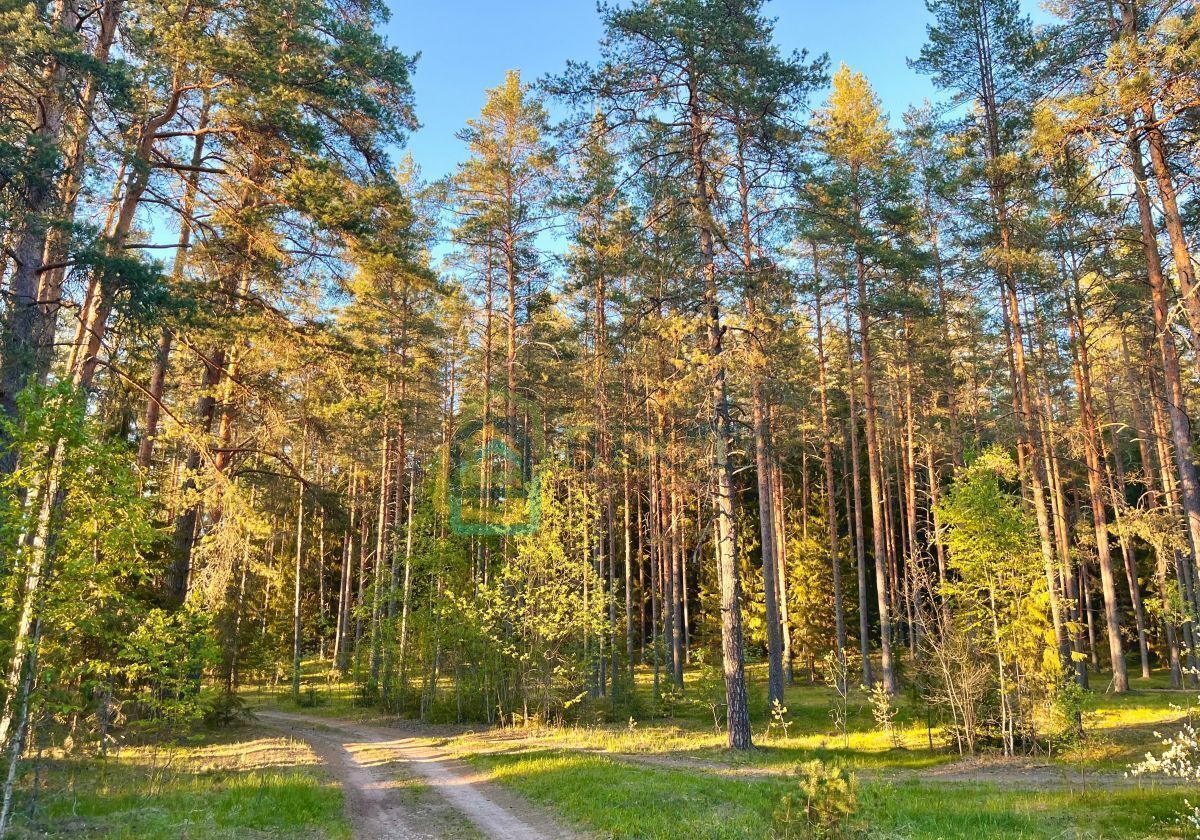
x=398 y=787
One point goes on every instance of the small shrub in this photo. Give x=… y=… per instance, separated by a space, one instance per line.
x=822 y=805
x=226 y=709
x=709 y=692
x=836 y=673
x=884 y=711
x=778 y=720
x=670 y=700
x=1069 y=704
x=309 y=697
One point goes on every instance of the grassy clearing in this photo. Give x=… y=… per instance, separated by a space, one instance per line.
x=1120 y=728
x=657 y=769
x=1120 y=731
x=671 y=779
x=625 y=801
x=240 y=785
x=323 y=693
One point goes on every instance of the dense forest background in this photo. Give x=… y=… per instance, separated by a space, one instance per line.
x=726 y=365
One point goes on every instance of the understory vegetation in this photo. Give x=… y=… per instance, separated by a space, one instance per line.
x=668 y=774
x=704 y=405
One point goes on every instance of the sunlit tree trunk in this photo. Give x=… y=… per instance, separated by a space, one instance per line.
x=860 y=553
x=831 y=520
x=737 y=709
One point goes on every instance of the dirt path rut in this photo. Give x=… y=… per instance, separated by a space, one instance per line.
x=398 y=787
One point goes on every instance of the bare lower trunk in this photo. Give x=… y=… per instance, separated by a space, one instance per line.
x=781 y=575
x=860 y=552
x=296 y=624
x=737 y=709
x=1094 y=457
x=835 y=559
x=875 y=482
x=1173 y=397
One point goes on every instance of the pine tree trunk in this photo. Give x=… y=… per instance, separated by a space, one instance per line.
x=738 y=713
x=381 y=551
x=179 y=265
x=1173 y=396
x=879 y=529
x=19 y=354
x=770 y=565
x=835 y=559
x=297 y=637
x=57 y=244
x=628 y=532
x=779 y=508
x=1026 y=417
x=762 y=439
x=1094 y=458
x=341 y=640
x=407 y=585
x=860 y=553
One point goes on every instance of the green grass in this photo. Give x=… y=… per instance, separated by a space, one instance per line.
x=322 y=694
x=1120 y=731
x=1120 y=728
x=243 y=786
x=628 y=802
x=926 y=812
x=642 y=768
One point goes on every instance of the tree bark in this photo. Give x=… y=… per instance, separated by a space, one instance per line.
x=835 y=559
x=738 y=713
x=1094 y=458
x=860 y=551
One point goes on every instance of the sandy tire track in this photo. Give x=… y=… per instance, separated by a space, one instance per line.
x=374 y=763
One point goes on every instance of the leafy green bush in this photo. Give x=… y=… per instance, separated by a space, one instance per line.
x=1070 y=702
x=165 y=656
x=883 y=710
x=670 y=700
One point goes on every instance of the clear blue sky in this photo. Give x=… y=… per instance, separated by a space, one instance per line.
x=467 y=45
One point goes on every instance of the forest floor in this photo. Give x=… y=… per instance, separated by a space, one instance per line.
x=668 y=777
x=399 y=786
x=332 y=769
x=240 y=783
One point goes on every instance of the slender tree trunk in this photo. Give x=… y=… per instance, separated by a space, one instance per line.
x=835 y=559
x=297 y=637
x=166 y=337
x=738 y=713
x=860 y=552
x=381 y=551
x=341 y=646
x=1173 y=396
x=407 y=586
x=19 y=353
x=1026 y=417
x=179 y=572
x=1094 y=457
x=779 y=508
x=763 y=461
x=57 y=243
x=875 y=477
x=1127 y=550
x=626 y=501
x=762 y=439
